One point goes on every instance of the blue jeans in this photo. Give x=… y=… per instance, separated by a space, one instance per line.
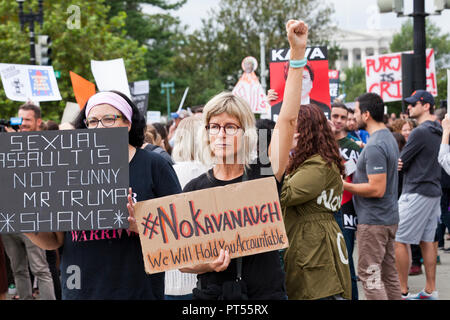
x=349 y=236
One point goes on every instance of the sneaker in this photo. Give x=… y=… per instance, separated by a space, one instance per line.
x=12 y=289
x=415 y=270
x=406 y=296
x=423 y=295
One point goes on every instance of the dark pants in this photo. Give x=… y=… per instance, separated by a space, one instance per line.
x=445 y=217
x=416 y=254
x=51 y=259
x=349 y=236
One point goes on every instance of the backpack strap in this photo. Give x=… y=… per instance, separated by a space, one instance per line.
x=238 y=260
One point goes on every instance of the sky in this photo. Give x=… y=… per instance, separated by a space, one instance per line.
x=349 y=14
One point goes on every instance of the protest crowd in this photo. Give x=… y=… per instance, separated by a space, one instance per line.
x=354 y=179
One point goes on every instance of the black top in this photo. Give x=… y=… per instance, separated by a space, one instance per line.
x=262 y=272
x=108 y=264
x=152 y=148
x=421 y=169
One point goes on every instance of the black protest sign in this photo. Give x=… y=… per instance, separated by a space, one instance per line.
x=64 y=180
x=333 y=75
x=140 y=91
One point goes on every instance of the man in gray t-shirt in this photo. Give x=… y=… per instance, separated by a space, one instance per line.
x=374 y=189
x=379 y=156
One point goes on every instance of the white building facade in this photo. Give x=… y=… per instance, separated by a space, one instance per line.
x=358 y=44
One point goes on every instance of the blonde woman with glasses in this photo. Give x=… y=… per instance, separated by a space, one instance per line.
x=229 y=140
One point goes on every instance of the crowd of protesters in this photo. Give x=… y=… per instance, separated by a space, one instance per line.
x=358 y=178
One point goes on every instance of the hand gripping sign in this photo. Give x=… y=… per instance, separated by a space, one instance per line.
x=64 y=180
x=190 y=228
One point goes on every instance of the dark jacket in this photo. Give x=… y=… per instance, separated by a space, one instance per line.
x=421 y=169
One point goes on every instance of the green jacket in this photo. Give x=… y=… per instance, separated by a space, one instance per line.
x=316 y=261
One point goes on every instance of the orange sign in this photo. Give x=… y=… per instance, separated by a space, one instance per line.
x=82 y=88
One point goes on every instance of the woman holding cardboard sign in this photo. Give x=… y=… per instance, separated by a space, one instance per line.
x=229 y=137
x=108 y=264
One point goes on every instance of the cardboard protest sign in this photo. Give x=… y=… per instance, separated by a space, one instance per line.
x=190 y=228
x=29 y=82
x=250 y=89
x=315 y=84
x=82 y=88
x=71 y=112
x=64 y=180
x=111 y=75
x=384 y=75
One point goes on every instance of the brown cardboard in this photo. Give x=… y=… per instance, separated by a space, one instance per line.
x=206 y=221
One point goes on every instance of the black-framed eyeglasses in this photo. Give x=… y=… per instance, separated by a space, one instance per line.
x=230 y=129
x=107 y=121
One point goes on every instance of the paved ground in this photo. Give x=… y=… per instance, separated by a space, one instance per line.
x=417 y=283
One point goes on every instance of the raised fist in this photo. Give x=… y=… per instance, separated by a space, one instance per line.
x=297 y=32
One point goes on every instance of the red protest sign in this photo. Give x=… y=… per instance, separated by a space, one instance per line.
x=315 y=83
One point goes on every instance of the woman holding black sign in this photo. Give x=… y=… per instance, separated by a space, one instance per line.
x=112 y=267
x=230 y=138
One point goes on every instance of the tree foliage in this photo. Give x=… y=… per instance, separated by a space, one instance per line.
x=99 y=38
x=355 y=83
x=161 y=34
x=211 y=57
x=157 y=47
x=440 y=42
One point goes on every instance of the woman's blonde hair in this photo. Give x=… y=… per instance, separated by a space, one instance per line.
x=237 y=107
x=152 y=136
x=187 y=143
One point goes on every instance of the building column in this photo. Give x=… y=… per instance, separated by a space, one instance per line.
x=376 y=51
x=363 y=56
x=350 y=57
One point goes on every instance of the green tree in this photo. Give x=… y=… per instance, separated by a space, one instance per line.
x=355 y=83
x=99 y=38
x=211 y=57
x=138 y=25
x=440 y=42
x=161 y=34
